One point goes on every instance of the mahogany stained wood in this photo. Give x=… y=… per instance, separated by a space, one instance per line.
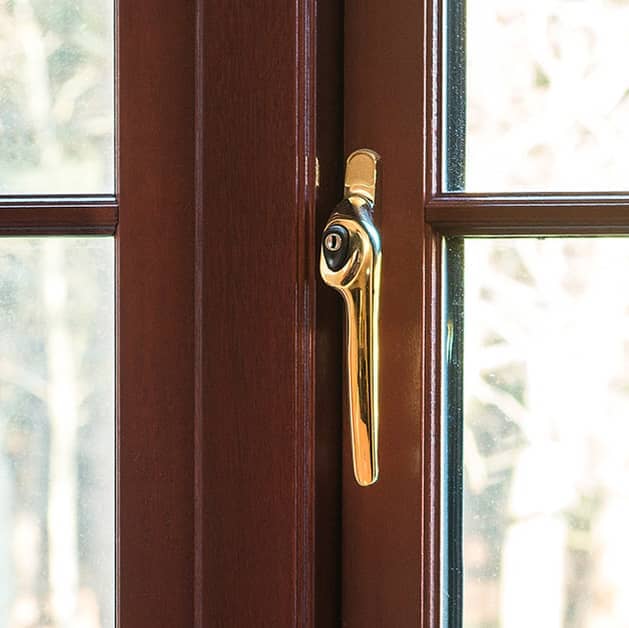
x=84 y=217
x=256 y=288
x=382 y=524
x=393 y=87
x=219 y=365
x=534 y=214
x=155 y=321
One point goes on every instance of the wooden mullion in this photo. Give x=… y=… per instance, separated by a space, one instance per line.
x=155 y=326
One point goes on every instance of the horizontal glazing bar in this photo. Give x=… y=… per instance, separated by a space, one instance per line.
x=58 y=216
x=54 y=200
x=529 y=215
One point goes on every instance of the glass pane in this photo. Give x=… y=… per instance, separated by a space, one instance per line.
x=56 y=432
x=56 y=97
x=546 y=101
x=544 y=434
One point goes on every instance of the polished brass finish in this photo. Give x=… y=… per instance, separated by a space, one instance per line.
x=356 y=275
x=361 y=173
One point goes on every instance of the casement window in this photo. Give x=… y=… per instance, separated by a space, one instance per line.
x=171 y=379
x=503 y=315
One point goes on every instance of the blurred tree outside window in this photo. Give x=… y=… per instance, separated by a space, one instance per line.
x=547 y=88
x=56 y=432
x=56 y=321
x=56 y=97
x=546 y=427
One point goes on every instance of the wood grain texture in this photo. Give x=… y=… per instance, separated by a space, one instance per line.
x=155 y=267
x=394 y=84
x=529 y=215
x=219 y=369
x=49 y=216
x=382 y=524
x=256 y=289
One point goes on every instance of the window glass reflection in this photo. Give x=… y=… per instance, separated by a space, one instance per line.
x=547 y=95
x=56 y=433
x=56 y=97
x=546 y=433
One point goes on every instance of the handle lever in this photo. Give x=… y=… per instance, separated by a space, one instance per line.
x=350 y=262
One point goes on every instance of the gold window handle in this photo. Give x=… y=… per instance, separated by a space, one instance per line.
x=351 y=260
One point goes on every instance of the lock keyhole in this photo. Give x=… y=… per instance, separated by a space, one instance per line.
x=333 y=242
x=335 y=246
